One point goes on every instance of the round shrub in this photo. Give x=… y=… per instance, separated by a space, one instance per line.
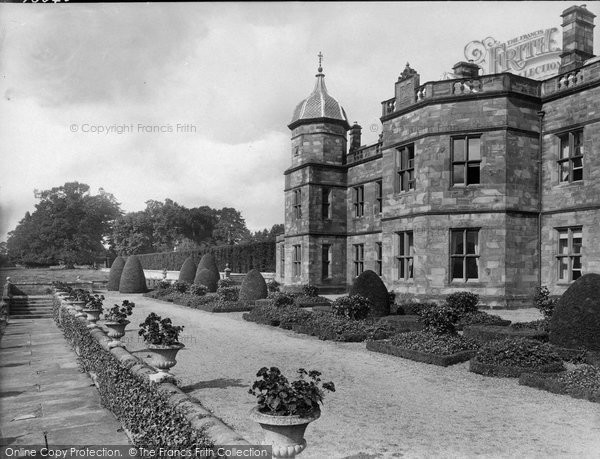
x=254 y=286
x=227 y=282
x=517 y=352
x=463 y=302
x=575 y=321
x=310 y=290
x=370 y=286
x=281 y=299
x=198 y=289
x=207 y=277
x=114 y=277
x=228 y=293
x=132 y=277
x=440 y=319
x=180 y=287
x=354 y=307
x=187 y=273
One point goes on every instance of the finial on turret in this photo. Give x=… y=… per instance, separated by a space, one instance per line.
x=320 y=55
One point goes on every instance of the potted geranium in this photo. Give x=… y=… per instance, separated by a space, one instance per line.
x=115 y=320
x=285 y=409
x=162 y=338
x=93 y=309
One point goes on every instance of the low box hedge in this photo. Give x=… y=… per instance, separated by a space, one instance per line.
x=209 y=302
x=487 y=369
x=386 y=347
x=486 y=333
x=402 y=323
x=582 y=382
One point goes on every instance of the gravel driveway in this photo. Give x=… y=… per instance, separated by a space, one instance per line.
x=384 y=406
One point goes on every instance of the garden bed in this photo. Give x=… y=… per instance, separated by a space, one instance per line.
x=325 y=326
x=582 y=382
x=209 y=302
x=510 y=371
x=402 y=323
x=486 y=333
x=386 y=347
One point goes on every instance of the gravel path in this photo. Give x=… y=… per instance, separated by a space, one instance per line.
x=384 y=406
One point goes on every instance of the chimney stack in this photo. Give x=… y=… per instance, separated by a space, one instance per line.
x=355 y=133
x=464 y=69
x=578 y=37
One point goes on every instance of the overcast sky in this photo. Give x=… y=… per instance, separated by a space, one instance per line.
x=233 y=71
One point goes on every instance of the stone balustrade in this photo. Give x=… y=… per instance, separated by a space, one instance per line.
x=501 y=82
x=363 y=153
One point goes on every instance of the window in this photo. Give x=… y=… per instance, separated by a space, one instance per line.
x=359 y=259
x=326 y=261
x=326 y=203
x=378 y=196
x=405 y=257
x=464 y=254
x=405 y=168
x=570 y=163
x=379 y=261
x=282 y=260
x=297 y=260
x=297 y=203
x=296 y=151
x=569 y=254
x=466 y=160
x=359 y=201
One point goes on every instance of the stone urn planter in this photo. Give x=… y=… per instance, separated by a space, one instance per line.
x=93 y=315
x=116 y=330
x=163 y=359
x=285 y=433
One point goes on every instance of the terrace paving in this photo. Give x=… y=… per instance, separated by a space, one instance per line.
x=384 y=406
x=42 y=390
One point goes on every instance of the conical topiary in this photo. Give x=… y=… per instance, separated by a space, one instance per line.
x=370 y=285
x=208 y=261
x=254 y=286
x=187 y=273
x=114 y=277
x=207 y=277
x=132 y=278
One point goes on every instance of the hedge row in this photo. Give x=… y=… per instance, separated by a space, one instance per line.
x=241 y=258
x=137 y=403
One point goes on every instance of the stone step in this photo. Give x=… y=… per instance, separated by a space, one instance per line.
x=30 y=316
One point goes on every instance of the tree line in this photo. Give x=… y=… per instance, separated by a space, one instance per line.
x=72 y=226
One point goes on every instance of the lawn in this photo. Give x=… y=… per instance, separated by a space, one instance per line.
x=18 y=275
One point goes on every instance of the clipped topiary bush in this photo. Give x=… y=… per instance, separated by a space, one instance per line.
x=207 y=277
x=439 y=319
x=463 y=302
x=254 y=286
x=208 y=261
x=114 y=277
x=575 y=322
x=370 y=286
x=132 y=277
x=353 y=307
x=187 y=273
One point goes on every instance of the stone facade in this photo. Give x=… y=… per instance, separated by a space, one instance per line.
x=469 y=172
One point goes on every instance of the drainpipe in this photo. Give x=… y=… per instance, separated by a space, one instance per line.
x=540 y=115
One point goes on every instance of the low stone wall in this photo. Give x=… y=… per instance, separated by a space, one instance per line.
x=198 y=416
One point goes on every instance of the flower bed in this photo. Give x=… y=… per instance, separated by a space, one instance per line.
x=402 y=323
x=426 y=347
x=486 y=333
x=512 y=357
x=481 y=318
x=155 y=415
x=209 y=302
x=324 y=325
x=582 y=382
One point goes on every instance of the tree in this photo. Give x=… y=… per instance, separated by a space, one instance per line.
x=68 y=225
x=268 y=235
x=230 y=228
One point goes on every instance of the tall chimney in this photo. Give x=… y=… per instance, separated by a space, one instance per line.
x=355 y=132
x=578 y=37
x=466 y=69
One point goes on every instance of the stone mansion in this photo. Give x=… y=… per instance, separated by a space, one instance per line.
x=487 y=183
